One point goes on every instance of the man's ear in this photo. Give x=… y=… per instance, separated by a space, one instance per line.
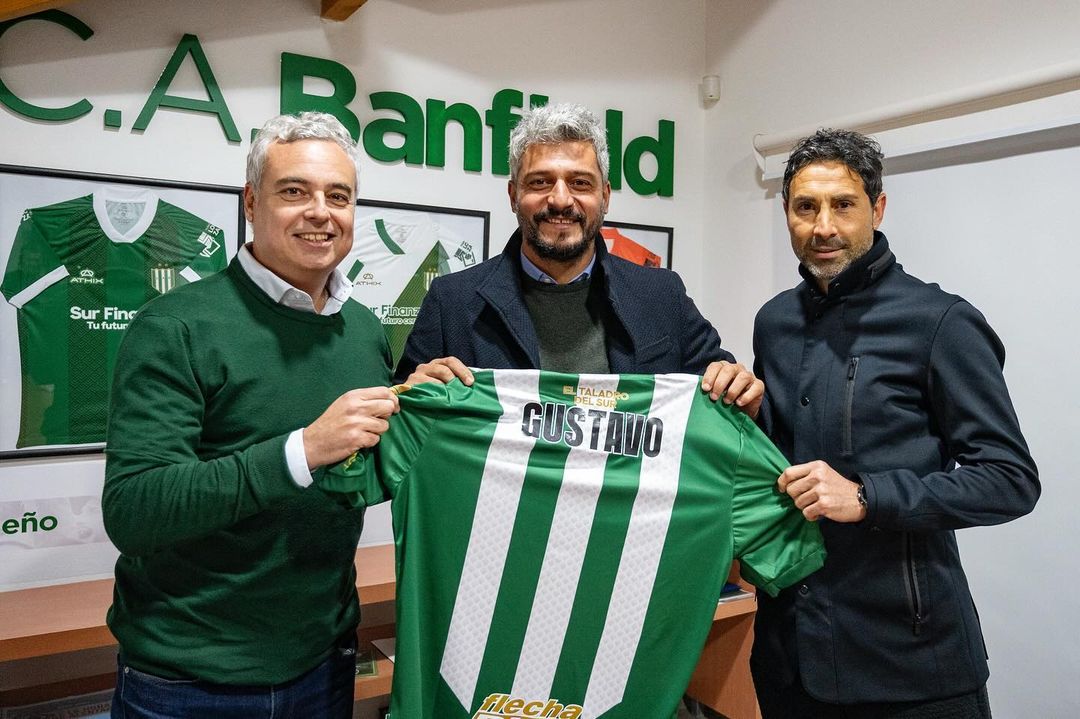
x=879 y=209
x=249 y=202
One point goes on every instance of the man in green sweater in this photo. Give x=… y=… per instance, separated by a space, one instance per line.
x=235 y=588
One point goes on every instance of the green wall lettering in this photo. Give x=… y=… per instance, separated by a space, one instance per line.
x=36 y=112
x=501 y=121
x=613 y=124
x=410 y=127
x=438 y=114
x=189 y=45
x=422 y=130
x=294 y=68
x=662 y=148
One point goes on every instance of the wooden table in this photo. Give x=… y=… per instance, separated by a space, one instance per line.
x=64 y=618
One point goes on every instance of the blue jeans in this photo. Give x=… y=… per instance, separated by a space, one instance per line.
x=325 y=692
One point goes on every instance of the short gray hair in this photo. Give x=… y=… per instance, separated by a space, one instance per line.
x=290 y=128
x=552 y=124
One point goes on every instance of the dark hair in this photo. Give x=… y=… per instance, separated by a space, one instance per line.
x=860 y=153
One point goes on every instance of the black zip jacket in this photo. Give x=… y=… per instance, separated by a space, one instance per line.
x=896 y=384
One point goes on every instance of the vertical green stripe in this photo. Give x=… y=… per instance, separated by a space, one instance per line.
x=688 y=584
x=437 y=503
x=602 y=557
x=524 y=558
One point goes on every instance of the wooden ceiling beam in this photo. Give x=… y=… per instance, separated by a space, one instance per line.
x=10 y=9
x=340 y=9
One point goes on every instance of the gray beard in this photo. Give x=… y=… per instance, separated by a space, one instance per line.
x=530 y=233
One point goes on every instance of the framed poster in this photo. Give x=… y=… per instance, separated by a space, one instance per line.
x=647 y=245
x=80 y=254
x=399 y=249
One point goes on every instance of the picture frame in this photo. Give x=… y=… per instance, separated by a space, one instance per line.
x=641 y=244
x=399 y=249
x=80 y=253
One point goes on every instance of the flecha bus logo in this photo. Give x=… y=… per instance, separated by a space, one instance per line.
x=504 y=706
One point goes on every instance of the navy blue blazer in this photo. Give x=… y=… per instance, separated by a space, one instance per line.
x=479 y=316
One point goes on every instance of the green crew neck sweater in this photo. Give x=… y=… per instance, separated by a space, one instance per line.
x=229 y=571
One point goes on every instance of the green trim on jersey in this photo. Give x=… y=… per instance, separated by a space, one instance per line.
x=76 y=284
x=561 y=536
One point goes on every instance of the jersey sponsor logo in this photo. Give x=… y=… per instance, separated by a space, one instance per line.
x=625 y=433
x=395 y=315
x=504 y=706
x=594 y=396
x=105 y=318
x=86 y=277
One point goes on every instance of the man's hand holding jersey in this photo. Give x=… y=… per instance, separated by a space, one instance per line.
x=353 y=421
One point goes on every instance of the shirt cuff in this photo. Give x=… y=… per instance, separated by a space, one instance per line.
x=296 y=459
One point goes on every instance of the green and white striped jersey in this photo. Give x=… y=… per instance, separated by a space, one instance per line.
x=562 y=539
x=77 y=273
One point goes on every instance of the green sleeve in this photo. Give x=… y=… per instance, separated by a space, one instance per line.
x=378 y=472
x=775 y=544
x=31 y=259
x=158 y=490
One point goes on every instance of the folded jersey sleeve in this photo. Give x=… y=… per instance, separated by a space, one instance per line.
x=375 y=474
x=775 y=544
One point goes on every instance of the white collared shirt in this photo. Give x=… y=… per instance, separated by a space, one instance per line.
x=339 y=289
x=280 y=291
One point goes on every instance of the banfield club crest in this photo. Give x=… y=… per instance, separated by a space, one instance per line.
x=504 y=706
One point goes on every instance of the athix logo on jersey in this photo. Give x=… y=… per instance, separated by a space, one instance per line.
x=86 y=277
x=25 y=215
x=504 y=706
x=625 y=433
x=210 y=245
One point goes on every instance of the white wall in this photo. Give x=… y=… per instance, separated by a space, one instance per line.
x=638 y=56
x=994 y=227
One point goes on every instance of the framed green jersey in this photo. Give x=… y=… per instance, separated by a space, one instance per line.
x=562 y=540
x=80 y=255
x=399 y=249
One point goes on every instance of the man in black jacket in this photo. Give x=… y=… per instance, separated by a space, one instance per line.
x=555 y=299
x=887 y=394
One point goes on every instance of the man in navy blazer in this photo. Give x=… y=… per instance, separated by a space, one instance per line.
x=555 y=299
